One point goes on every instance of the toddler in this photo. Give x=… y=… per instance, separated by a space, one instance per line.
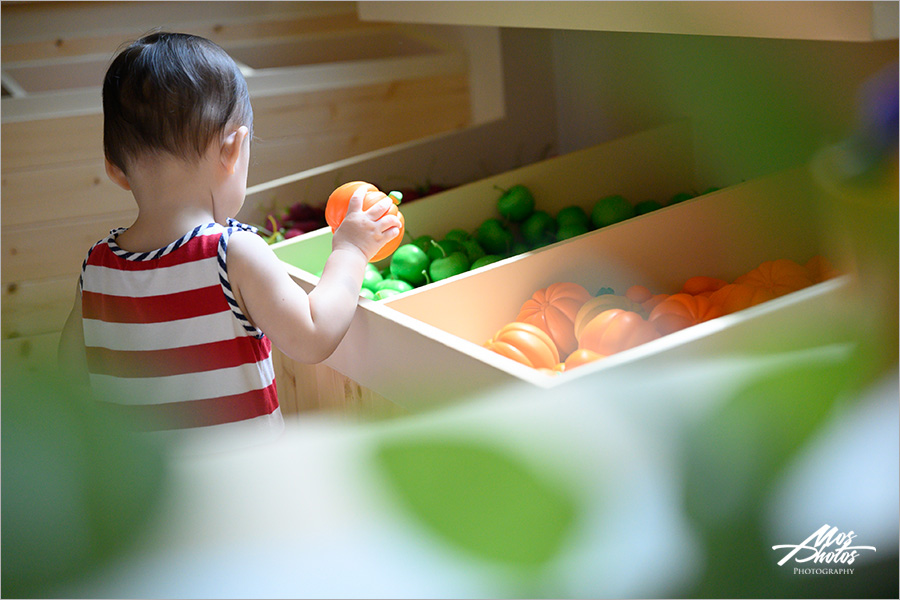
x=174 y=316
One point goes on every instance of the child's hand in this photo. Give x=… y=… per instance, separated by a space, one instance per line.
x=367 y=230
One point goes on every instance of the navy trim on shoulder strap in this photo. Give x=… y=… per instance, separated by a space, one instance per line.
x=226 y=284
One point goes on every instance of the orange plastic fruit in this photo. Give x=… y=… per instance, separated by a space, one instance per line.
x=580 y=357
x=553 y=309
x=702 y=285
x=738 y=296
x=681 y=310
x=780 y=277
x=615 y=330
x=336 y=210
x=820 y=269
x=525 y=343
x=638 y=293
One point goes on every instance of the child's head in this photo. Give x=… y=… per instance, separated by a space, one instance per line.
x=171 y=93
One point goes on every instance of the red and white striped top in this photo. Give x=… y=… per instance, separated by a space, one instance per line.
x=167 y=345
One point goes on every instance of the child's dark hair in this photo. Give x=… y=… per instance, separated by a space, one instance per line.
x=172 y=93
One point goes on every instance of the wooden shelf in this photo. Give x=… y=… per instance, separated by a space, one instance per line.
x=835 y=21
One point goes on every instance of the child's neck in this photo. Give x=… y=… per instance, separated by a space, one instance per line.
x=173 y=198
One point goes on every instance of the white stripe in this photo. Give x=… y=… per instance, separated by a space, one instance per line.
x=186 y=387
x=164 y=280
x=205 y=329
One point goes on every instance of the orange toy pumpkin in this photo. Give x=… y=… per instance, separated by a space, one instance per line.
x=682 y=310
x=638 y=293
x=336 y=210
x=615 y=330
x=652 y=303
x=780 y=277
x=553 y=309
x=526 y=344
x=702 y=285
x=582 y=356
x=820 y=269
x=595 y=306
x=738 y=296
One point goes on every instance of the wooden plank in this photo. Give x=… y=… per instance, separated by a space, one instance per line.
x=37 y=306
x=286 y=383
x=357 y=108
x=834 y=21
x=304 y=388
x=55 y=250
x=226 y=34
x=63 y=140
x=393 y=111
x=360 y=128
x=25 y=21
x=69 y=191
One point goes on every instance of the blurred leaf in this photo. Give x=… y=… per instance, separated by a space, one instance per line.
x=479 y=499
x=77 y=489
x=734 y=453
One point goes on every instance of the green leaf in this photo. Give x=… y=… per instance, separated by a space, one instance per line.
x=479 y=499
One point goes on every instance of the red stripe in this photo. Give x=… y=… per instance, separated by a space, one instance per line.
x=199 y=247
x=177 y=361
x=154 y=309
x=197 y=413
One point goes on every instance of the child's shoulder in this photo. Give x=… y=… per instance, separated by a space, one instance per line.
x=246 y=246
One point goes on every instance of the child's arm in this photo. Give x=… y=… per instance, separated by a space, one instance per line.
x=308 y=327
x=71 y=355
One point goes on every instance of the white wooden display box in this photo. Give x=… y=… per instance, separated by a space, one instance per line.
x=425 y=346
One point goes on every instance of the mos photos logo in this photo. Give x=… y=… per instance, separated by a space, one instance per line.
x=826 y=546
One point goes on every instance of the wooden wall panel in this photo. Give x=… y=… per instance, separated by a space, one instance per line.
x=64 y=140
x=37 y=306
x=68 y=191
x=54 y=250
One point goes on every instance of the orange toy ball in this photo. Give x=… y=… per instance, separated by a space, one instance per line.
x=336 y=210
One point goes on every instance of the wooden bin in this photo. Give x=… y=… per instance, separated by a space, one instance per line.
x=425 y=346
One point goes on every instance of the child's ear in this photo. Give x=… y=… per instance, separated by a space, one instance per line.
x=233 y=146
x=117 y=176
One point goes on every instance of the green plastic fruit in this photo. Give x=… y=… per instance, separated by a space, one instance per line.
x=460 y=235
x=516 y=204
x=611 y=209
x=539 y=229
x=424 y=242
x=386 y=293
x=681 y=197
x=398 y=285
x=570 y=230
x=473 y=250
x=494 y=237
x=519 y=248
x=372 y=277
x=573 y=215
x=410 y=263
x=367 y=293
x=449 y=266
x=444 y=248
x=485 y=260
x=642 y=208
